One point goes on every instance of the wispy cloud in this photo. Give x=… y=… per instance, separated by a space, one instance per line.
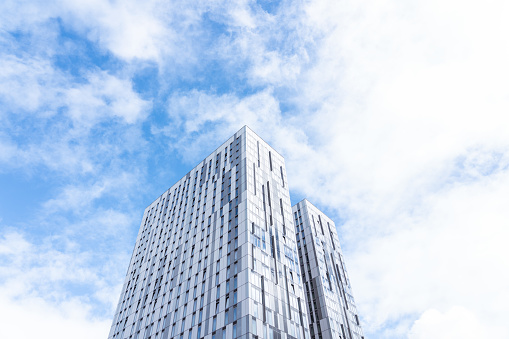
x=60 y=114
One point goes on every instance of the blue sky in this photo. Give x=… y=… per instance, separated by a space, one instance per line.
x=392 y=117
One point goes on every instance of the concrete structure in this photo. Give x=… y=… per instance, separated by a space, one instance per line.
x=216 y=254
x=331 y=307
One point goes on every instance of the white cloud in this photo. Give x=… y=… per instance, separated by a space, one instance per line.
x=457 y=322
x=13 y=243
x=23 y=83
x=439 y=254
x=105 y=95
x=34 y=85
x=129 y=29
x=34 y=317
x=35 y=95
x=194 y=111
x=272 y=48
x=78 y=197
x=31 y=281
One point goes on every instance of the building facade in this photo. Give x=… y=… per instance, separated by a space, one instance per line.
x=330 y=303
x=216 y=254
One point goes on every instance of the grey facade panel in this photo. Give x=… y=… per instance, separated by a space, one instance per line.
x=332 y=314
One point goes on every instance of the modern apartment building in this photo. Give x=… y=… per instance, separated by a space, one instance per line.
x=330 y=303
x=216 y=254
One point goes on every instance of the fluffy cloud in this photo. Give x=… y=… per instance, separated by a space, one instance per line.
x=105 y=95
x=47 y=320
x=61 y=114
x=455 y=322
x=32 y=277
x=32 y=84
x=79 y=198
x=129 y=29
x=451 y=245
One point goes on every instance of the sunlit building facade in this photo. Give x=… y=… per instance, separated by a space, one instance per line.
x=331 y=307
x=216 y=254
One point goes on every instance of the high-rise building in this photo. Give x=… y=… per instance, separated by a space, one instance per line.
x=330 y=303
x=216 y=254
